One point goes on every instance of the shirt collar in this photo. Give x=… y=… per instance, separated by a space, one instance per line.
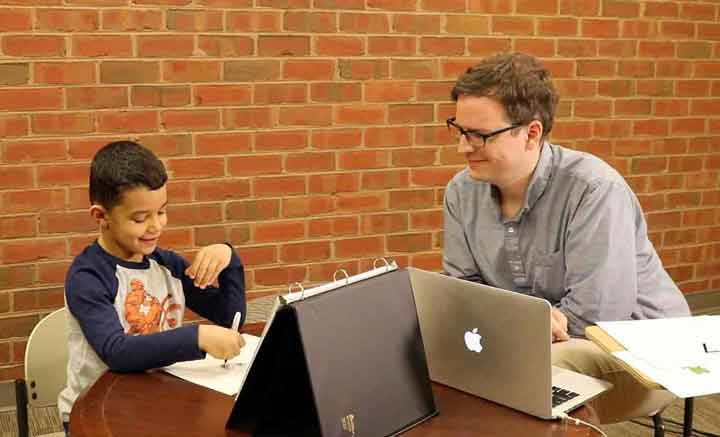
x=540 y=178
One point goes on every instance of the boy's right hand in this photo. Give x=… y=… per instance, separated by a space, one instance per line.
x=221 y=343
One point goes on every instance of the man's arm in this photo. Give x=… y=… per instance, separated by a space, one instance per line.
x=600 y=257
x=457 y=257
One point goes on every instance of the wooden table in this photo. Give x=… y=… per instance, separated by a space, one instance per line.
x=601 y=338
x=159 y=404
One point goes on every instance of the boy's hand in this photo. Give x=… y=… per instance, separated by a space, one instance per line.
x=558 y=325
x=219 y=342
x=209 y=262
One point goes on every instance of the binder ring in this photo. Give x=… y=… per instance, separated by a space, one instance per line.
x=344 y=272
x=383 y=259
x=300 y=286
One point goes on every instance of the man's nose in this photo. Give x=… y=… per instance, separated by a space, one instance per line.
x=464 y=146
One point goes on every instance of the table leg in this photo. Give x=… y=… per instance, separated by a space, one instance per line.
x=688 y=419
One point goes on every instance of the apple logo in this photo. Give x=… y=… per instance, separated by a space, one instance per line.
x=472 y=340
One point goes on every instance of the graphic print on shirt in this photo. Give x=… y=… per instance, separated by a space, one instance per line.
x=148 y=300
x=145 y=313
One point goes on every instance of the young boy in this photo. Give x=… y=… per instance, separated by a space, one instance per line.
x=126 y=297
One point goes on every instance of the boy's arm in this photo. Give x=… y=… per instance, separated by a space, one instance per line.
x=218 y=304
x=91 y=303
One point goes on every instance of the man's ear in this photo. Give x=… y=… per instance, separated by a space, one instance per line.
x=100 y=214
x=534 y=134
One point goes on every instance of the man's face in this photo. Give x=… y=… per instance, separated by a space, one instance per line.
x=503 y=158
x=134 y=225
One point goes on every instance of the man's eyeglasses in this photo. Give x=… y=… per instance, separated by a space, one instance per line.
x=473 y=136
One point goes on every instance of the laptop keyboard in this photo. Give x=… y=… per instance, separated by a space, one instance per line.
x=560 y=396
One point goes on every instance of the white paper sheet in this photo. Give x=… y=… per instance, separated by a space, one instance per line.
x=672 y=352
x=210 y=372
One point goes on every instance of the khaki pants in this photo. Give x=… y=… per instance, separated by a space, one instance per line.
x=628 y=399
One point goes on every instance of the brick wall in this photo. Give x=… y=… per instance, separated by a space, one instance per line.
x=309 y=132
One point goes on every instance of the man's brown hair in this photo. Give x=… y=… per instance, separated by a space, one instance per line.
x=518 y=81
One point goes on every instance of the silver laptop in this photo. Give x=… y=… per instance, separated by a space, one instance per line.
x=495 y=344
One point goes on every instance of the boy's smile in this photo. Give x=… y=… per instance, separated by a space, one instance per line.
x=132 y=228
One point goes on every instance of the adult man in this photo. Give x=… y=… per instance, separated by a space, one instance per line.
x=540 y=219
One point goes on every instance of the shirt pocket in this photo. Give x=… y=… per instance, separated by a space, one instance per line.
x=549 y=275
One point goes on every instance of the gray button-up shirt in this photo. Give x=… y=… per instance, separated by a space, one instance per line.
x=579 y=241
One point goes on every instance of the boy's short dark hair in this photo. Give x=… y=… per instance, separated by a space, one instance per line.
x=122 y=165
x=518 y=81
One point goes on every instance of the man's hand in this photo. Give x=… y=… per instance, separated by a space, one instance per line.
x=220 y=342
x=558 y=325
x=209 y=262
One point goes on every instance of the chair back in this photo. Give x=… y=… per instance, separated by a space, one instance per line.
x=46 y=357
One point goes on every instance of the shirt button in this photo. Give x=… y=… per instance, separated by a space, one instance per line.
x=511 y=229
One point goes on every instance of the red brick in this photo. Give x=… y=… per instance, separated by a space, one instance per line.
x=63 y=20
x=707 y=69
x=335 y=92
x=279 y=185
x=418 y=24
x=697 y=11
x=255 y=165
x=168 y=145
x=333 y=183
x=281 y=140
x=365 y=159
x=639 y=29
x=617 y=48
x=364 y=23
x=360 y=114
x=308 y=162
x=316 y=22
x=305 y=252
x=251 y=70
x=633 y=107
x=196 y=167
x=66 y=222
x=411 y=199
x=559 y=68
x=339 y=45
x=165 y=46
x=508 y=25
x=280 y=231
x=655 y=87
x=33 y=45
x=254 y=21
x=360 y=69
x=225 y=46
x=280 y=276
x=385 y=180
x=389 y=91
x=561 y=26
x=592 y=108
x=409 y=242
x=661 y=9
x=165 y=96
x=694 y=50
x=414 y=69
x=280 y=93
x=600 y=28
x=13 y=126
x=336 y=139
x=102 y=45
x=467 y=25
x=636 y=68
x=194 y=21
x=677 y=29
x=414 y=157
x=656 y=49
x=32 y=250
x=253 y=210
x=194 y=214
x=673 y=68
x=220 y=95
x=205 y=119
x=222 y=143
x=309 y=70
x=17 y=227
x=129 y=72
x=305 y=116
x=442 y=46
x=596 y=68
x=388 y=136
x=61 y=124
x=671 y=108
x=391 y=46
x=656 y=127
x=411 y=113
x=131 y=19
x=536 y=47
x=259 y=255
x=64 y=73
x=191 y=71
x=68 y=174
x=620 y=8
x=571 y=130
x=34 y=151
x=14 y=74
x=687 y=126
x=359 y=247
x=222 y=189
x=247 y=118
x=342 y=226
x=128 y=121
x=273 y=45
x=361 y=202
x=490 y=6
x=443 y=5
x=16 y=177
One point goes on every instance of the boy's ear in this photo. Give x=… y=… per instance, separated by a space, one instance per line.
x=100 y=214
x=534 y=133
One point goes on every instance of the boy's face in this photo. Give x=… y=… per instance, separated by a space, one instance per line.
x=132 y=228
